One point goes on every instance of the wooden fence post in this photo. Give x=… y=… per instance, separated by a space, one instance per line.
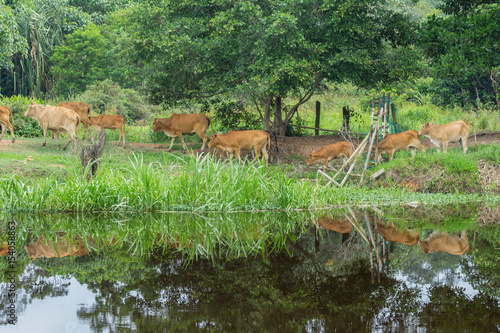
x=90 y=156
x=318 y=113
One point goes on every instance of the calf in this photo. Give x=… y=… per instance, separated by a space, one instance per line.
x=390 y=233
x=441 y=135
x=57 y=119
x=330 y=152
x=5 y=112
x=112 y=122
x=234 y=141
x=394 y=142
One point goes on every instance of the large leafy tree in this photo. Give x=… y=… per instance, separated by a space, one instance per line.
x=10 y=39
x=262 y=50
x=80 y=61
x=465 y=50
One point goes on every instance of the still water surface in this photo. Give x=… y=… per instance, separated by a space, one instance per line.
x=424 y=269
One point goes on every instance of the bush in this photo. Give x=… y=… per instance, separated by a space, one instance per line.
x=109 y=98
x=230 y=115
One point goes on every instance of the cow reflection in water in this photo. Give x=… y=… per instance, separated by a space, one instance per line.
x=391 y=234
x=340 y=226
x=64 y=246
x=442 y=241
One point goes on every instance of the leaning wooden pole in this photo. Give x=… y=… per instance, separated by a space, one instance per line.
x=372 y=138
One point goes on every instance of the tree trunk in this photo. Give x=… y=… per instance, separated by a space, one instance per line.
x=91 y=156
x=279 y=125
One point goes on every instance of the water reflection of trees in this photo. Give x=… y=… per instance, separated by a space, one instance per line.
x=316 y=279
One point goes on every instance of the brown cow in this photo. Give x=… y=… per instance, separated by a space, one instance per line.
x=4 y=249
x=234 y=141
x=441 y=135
x=111 y=122
x=340 y=226
x=57 y=119
x=331 y=152
x=391 y=234
x=399 y=141
x=441 y=241
x=82 y=109
x=4 y=121
x=63 y=247
x=178 y=124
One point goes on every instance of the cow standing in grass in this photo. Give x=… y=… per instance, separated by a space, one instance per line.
x=112 y=122
x=183 y=124
x=5 y=112
x=441 y=135
x=399 y=141
x=234 y=141
x=57 y=119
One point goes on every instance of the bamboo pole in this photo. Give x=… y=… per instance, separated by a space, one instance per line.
x=331 y=180
x=354 y=154
x=354 y=162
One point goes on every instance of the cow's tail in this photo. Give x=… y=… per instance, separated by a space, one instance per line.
x=474 y=128
x=11 y=116
x=276 y=142
x=210 y=123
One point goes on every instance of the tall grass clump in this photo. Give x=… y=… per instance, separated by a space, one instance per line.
x=185 y=183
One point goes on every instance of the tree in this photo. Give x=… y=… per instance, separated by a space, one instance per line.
x=261 y=51
x=10 y=39
x=464 y=50
x=81 y=61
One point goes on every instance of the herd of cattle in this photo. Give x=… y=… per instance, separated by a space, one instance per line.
x=67 y=116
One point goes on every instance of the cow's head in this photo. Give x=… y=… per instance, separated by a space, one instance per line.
x=156 y=125
x=425 y=129
x=425 y=247
x=311 y=159
x=214 y=140
x=31 y=110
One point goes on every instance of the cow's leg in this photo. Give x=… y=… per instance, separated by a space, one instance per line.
x=44 y=136
x=203 y=136
x=237 y=151
x=391 y=154
x=179 y=134
x=122 y=134
x=265 y=153
x=171 y=144
x=445 y=146
x=3 y=131
x=463 y=140
x=11 y=128
x=55 y=135
x=72 y=138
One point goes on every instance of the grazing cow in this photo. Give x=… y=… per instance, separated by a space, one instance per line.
x=441 y=135
x=399 y=141
x=340 y=226
x=330 y=152
x=178 y=124
x=82 y=109
x=111 y=122
x=441 y=241
x=234 y=141
x=4 y=121
x=63 y=247
x=391 y=234
x=57 y=119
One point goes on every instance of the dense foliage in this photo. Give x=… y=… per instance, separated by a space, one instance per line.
x=269 y=57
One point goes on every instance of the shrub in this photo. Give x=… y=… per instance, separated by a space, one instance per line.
x=109 y=98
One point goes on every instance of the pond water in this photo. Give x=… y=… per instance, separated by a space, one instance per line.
x=385 y=269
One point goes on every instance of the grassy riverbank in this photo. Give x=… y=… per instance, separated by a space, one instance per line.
x=140 y=179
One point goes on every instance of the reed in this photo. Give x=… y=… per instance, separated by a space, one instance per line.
x=187 y=183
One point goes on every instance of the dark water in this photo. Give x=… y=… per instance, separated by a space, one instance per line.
x=423 y=269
